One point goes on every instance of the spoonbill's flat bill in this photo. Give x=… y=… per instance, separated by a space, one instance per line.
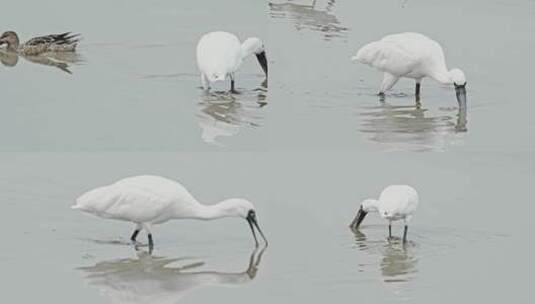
x=411 y=55
x=220 y=55
x=149 y=200
x=396 y=202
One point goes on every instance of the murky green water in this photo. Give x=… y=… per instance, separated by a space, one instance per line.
x=305 y=151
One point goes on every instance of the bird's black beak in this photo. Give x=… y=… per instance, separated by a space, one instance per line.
x=361 y=214
x=262 y=59
x=251 y=219
x=460 y=91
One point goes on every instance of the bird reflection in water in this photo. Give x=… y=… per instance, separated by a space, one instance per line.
x=397 y=260
x=60 y=60
x=160 y=280
x=306 y=14
x=224 y=114
x=412 y=128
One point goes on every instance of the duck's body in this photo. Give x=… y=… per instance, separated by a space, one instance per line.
x=411 y=55
x=148 y=200
x=65 y=42
x=396 y=202
x=220 y=55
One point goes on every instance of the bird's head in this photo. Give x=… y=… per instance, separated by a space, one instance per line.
x=366 y=206
x=457 y=77
x=243 y=208
x=255 y=46
x=459 y=81
x=11 y=39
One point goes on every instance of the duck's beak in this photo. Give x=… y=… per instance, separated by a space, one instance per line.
x=262 y=59
x=361 y=214
x=251 y=219
x=460 y=91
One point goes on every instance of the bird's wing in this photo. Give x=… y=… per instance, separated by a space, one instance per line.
x=387 y=56
x=219 y=52
x=124 y=202
x=65 y=38
x=399 y=199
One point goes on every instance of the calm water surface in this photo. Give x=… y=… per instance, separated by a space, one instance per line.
x=305 y=150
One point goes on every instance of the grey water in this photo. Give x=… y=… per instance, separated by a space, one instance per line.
x=306 y=148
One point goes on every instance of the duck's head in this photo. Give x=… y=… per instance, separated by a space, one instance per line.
x=11 y=39
x=459 y=81
x=245 y=209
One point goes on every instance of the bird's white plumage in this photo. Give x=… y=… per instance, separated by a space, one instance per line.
x=398 y=202
x=148 y=199
x=218 y=55
x=410 y=55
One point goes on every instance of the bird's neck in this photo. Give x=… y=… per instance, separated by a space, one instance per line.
x=248 y=47
x=212 y=212
x=13 y=47
x=371 y=205
x=442 y=76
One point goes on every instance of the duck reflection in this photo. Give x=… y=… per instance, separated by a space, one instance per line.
x=411 y=127
x=60 y=60
x=159 y=280
x=398 y=259
x=307 y=15
x=224 y=114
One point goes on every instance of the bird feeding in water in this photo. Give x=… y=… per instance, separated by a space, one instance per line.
x=148 y=200
x=396 y=202
x=411 y=55
x=220 y=55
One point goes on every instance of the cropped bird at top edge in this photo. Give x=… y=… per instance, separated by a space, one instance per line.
x=396 y=202
x=148 y=200
x=65 y=42
x=411 y=55
x=220 y=55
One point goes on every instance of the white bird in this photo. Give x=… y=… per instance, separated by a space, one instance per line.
x=148 y=200
x=396 y=202
x=220 y=55
x=411 y=55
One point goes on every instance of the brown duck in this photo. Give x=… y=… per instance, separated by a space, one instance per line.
x=65 y=42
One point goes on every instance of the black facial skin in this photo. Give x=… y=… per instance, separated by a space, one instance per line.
x=251 y=219
x=361 y=214
x=262 y=59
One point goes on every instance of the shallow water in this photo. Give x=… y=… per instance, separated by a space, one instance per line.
x=305 y=150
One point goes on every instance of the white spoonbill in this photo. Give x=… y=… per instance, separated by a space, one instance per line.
x=411 y=55
x=396 y=202
x=220 y=55
x=148 y=200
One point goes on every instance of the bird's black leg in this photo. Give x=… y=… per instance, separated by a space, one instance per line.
x=417 y=94
x=405 y=233
x=232 y=87
x=151 y=243
x=134 y=235
x=389 y=231
x=381 y=96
